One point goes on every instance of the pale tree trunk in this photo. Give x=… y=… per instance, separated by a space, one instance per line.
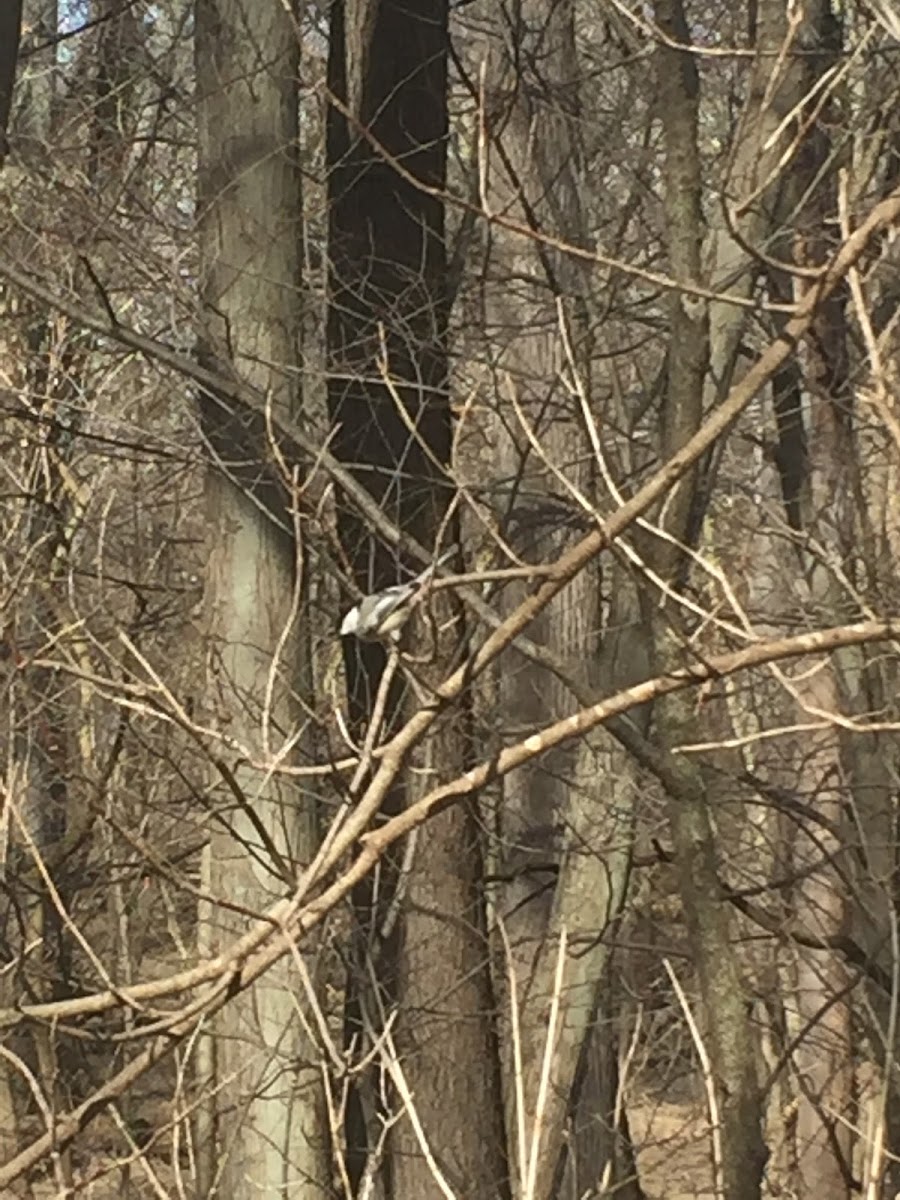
x=809 y=574
x=388 y=279
x=601 y=1150
x=32 y=100
x=268 y=1135
x=694 y=351
x=550 y=811
x=754 y=204
x=872 y=764
x=750 y=214
x=855 y=784
x=870 y=681
x=815 y=458
x=823 y=1060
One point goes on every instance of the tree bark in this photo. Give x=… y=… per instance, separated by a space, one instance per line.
x=709 y=922
x=572 y=809
x=268 y=1131
x=388 y=306
x=816 y=456
x=10 y=30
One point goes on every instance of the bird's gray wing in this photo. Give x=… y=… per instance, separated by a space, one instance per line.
x=390 y=600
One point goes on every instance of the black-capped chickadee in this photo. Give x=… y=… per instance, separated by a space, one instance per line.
x=380 y=616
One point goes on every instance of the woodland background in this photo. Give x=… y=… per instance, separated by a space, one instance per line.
x=589 y=888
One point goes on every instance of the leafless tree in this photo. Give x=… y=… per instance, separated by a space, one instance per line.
x=586 y=885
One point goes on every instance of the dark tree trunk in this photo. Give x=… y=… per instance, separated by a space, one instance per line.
x=10 y=31
x=387 y=315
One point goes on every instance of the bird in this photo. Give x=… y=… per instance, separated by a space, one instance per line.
x=380 y=616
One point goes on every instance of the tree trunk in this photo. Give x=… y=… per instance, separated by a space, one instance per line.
x=388 y=304
x=10 y=28
x=815 y=457
x=269 y=1134
x=709 y=923
x=571 y=810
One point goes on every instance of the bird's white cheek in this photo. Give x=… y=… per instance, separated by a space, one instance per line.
x=350 y=624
